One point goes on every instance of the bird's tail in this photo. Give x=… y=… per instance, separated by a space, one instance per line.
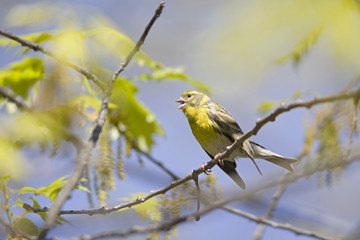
x=266 y=154
x=229 y=169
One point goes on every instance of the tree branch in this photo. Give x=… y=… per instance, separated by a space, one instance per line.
x=160 y=165
x=139 y=42
x=216 y=205
x=259 y=231
x=211 y=163
x=261 y=227
x=354 y=125
x=351 y=94
x=222 y=203
x=274 y=224
x=36 y=47
x=6 y=94
x=85 y=153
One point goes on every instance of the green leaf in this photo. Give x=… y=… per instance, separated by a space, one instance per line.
x=51 y=190
x=26 y=226
x=22 y=75
x=166 y=73
x=37 y=38
x=303 y=47
x=119 y=45
x=266 y=106
x=132 y=116
x=149 y=209
x=297 y=94
x=4 y=178
x=90 y=102
x=82 y=188
x=43 y=127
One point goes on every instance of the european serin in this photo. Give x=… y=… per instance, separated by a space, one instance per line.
x=215 y=129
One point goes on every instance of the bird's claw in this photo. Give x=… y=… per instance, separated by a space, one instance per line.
x=205 y=170
x=217 y=158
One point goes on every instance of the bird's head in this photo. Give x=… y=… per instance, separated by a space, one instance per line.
x=191 y=98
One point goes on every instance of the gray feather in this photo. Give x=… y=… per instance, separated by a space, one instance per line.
x=266 y=154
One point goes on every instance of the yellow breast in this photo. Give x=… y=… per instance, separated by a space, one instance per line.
x=205 y=132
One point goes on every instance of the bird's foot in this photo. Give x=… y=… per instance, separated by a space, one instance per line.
x=217 y=158
x=204 y=169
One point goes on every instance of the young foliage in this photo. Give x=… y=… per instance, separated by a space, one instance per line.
x=12 y=161
x=22 y=75
x=166 y=73
x=150 y=209
x=268 y=105
x=51 y=190
x=325 y=137
x=302 y=48
x=132 y=117
x=26 y=226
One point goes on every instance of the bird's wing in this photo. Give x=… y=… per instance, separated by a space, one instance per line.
x=223 y=118
x=229 y=127
x=229 y=169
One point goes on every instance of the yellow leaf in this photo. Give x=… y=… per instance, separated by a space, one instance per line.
x=141 y=124
x=12 y=162
x=149 y=209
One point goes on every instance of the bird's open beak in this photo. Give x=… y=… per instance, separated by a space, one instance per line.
x=182 y=103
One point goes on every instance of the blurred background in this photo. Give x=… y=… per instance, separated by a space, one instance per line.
x=244 y=52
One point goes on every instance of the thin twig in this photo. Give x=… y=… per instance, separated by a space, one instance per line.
x=85 y=153
x=353 y=128
x=210 y=164
x=274 y=224
x=81 y=161
x=37 y=47
x=284 y=108
x=259 y=231
x=160 y=165
x=139 y=42
x=216 y=205
x=261 y=227
x=6 y=94
x=291 y=178
x=198 y=194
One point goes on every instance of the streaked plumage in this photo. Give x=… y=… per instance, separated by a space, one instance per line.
x=215 y=129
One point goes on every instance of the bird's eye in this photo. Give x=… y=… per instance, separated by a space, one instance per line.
x=189 y=95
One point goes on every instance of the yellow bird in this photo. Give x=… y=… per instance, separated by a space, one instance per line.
x=215 y=129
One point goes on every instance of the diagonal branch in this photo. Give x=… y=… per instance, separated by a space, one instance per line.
x=259 y=231
x=221 y=204
x=160 y=165
x=289 y=179
x=351 y=94
x=85 y=153
x=139 y=42
x=6 y=94
x=261 y=227
x=216 y=205
x=210 y=164
x=353 y=129
x=38 y=48
x=264 y=221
